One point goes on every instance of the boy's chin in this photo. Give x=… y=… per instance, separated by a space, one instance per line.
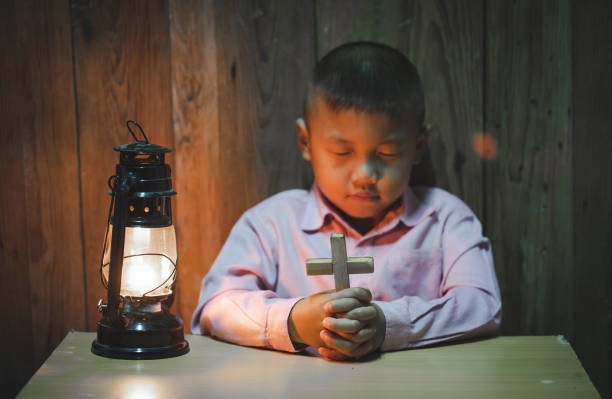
x=369 y=211
x=364 y=213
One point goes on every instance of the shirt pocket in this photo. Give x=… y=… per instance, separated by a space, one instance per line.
x=415 y=272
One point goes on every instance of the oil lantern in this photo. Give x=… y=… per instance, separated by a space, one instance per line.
x=138 y=265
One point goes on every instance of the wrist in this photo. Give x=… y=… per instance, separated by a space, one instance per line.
x=381 y=328
x=293 y=332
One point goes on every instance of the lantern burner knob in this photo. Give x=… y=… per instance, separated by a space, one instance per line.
x=102 y=306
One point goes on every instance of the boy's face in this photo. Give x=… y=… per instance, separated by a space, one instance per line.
x=361 y=161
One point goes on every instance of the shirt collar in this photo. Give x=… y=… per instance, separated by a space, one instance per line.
x=317 y=210
x=415 y=209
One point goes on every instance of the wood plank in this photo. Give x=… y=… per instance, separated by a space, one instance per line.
x=195 y=125
x=15 y=309
x=529 y=187
x=51 y=175
x=592 y=183
x=121 y=52
x=238 y=72
x=444 y=40
x=40 y=213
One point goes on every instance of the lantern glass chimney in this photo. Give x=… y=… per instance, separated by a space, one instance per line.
x=148 y=262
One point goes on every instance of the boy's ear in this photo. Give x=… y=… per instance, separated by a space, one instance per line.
x=421 y=142
x=303 y=138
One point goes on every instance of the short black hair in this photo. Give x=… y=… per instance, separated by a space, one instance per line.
x=368 y=77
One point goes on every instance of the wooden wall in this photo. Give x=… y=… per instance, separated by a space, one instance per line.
x=590 y=277
x=222 y=82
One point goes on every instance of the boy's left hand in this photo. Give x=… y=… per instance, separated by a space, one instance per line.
x=353 y=334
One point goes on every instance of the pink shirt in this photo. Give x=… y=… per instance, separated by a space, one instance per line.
x=433 y=270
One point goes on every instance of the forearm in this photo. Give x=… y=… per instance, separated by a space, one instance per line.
x=463 y=312
x=250 y=318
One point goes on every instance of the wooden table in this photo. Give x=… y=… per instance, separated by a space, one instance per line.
x=513 y=367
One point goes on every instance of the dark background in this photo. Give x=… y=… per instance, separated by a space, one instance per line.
x=222 y=82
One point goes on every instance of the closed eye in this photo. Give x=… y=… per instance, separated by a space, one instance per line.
x=341 y=153
x=390 y=154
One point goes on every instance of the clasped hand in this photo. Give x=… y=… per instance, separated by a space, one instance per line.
x=343 y=325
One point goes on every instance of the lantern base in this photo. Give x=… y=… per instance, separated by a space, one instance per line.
x=117 y=352
x=136 y=335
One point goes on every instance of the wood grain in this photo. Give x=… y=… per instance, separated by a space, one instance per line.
x=43 y=291
x=503 y=367
x=355 y=265
x=592 y=185
x=121 y=52
x=339 y=266
x=17 y=356
x=529 y=187
x=55 y=254
x=238 y=79
x=444 y=40
x=195 y=125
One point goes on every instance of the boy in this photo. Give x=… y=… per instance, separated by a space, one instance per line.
x=434 y=279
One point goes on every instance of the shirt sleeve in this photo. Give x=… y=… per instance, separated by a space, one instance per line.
x=237 y=300
x=469 y=304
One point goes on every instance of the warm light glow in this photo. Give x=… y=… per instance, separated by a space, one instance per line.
x=138 y=387
x=144 y=265
x=485 y=145
x=140 y=391
x=143 y=273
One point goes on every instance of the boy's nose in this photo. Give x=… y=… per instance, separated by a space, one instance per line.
x=366 y=174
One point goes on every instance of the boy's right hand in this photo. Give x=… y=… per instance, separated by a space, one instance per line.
x=306 y=318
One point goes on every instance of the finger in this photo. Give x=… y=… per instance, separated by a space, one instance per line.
x=345 y=347
x=339 y=343
x=363 y=335
x=361 y=313
x=362 y=294
x=342 y=305
x=343 y=325
x=331 y=354
x=362 y=350
x=335 y=341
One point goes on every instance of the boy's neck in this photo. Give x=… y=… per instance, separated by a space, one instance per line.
x=363 y=225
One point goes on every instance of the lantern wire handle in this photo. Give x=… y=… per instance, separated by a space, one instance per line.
x=111 y=185
x=146 y=140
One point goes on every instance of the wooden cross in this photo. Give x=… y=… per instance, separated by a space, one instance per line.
x=339 y=265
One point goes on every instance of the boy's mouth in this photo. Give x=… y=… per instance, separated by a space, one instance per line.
x=365 y=196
